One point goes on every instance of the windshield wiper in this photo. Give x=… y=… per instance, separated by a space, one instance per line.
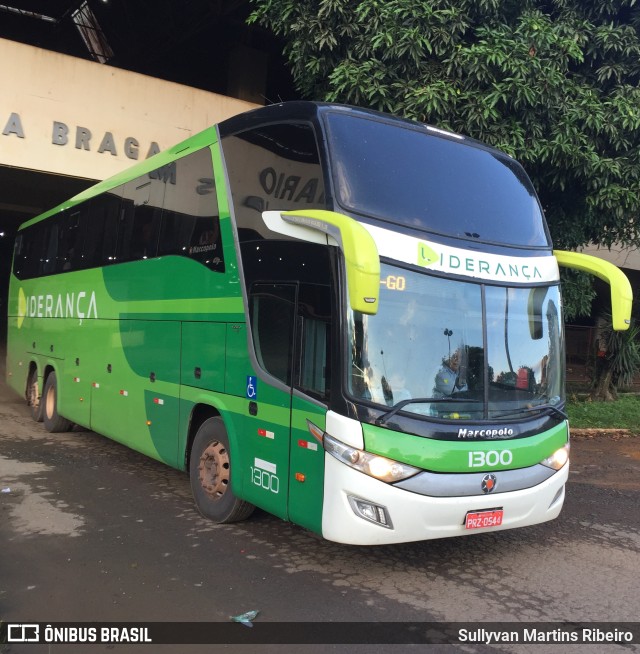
x=538 y=407
x=381 y=420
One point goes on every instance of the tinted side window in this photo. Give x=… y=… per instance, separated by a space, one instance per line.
x=272 y=167
x=190 y=220
x=139 y=223
x=171 y=210
x=29 y=252
x=73 y=225
x=102 y=215
x=48 y=261
x=19 y=259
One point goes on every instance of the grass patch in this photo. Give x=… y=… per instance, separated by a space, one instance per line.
x=621 y=414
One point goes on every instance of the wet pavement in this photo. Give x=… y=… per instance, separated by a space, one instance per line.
x=91 y=531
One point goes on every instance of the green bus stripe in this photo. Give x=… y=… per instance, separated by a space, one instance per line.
x=207 y=306
x=453 y=456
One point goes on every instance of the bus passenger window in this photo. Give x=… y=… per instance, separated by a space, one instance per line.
x=73 y=224
x=144 y=233
x=50 y=253
x=273 y=167
x=19 y=255
x=102 y=230
x=190 y=223
x=28 y=252
x=196 y=237
x=139 y=227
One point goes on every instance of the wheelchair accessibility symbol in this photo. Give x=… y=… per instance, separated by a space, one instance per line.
x=252 y=388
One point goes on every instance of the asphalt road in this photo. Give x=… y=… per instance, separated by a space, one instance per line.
x=91 y=531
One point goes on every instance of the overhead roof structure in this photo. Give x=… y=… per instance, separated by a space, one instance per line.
x=199 y=43
x=204 y=44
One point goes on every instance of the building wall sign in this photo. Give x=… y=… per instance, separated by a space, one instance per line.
x=82 y=138
x=69 y=116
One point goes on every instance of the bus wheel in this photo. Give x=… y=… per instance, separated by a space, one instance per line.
x=33 y=396
x=53 y=422
x=210 y=474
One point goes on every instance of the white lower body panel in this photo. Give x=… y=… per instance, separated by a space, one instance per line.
x=419 y=517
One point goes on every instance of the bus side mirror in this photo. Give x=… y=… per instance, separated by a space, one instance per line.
x=621 y=293
x=358 y=247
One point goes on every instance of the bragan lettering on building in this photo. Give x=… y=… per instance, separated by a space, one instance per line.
x=82 y=138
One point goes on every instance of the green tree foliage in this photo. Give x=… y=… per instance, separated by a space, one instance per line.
x=618 y=360
x=553 y=83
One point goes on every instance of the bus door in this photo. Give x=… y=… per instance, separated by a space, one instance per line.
x=267 y=433
x=291 y=327
x=311 y=387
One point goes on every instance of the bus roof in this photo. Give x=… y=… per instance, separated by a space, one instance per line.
x=282 y=113
x=308 y=111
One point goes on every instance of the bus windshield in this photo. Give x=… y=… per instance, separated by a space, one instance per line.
x=411 y=176
x=458 y=350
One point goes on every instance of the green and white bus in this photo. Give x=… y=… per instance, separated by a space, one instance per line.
x=351 y=321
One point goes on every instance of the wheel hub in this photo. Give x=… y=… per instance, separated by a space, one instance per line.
x=213 y=469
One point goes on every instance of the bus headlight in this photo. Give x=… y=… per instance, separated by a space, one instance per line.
x=558 y=458
x=373 y=465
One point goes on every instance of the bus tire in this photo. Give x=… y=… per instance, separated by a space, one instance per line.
x=210 y=475
x=53 y=421
x=34 y=400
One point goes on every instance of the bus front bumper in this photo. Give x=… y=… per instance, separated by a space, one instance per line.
x=413 y=517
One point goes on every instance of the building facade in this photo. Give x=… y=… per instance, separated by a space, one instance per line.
x=67 y=122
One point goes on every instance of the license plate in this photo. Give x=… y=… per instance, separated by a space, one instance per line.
x=480 y=519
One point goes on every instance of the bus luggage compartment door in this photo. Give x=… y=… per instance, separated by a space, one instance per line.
x=135 y=394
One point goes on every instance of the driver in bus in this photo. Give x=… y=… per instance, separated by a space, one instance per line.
x=448 y=380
